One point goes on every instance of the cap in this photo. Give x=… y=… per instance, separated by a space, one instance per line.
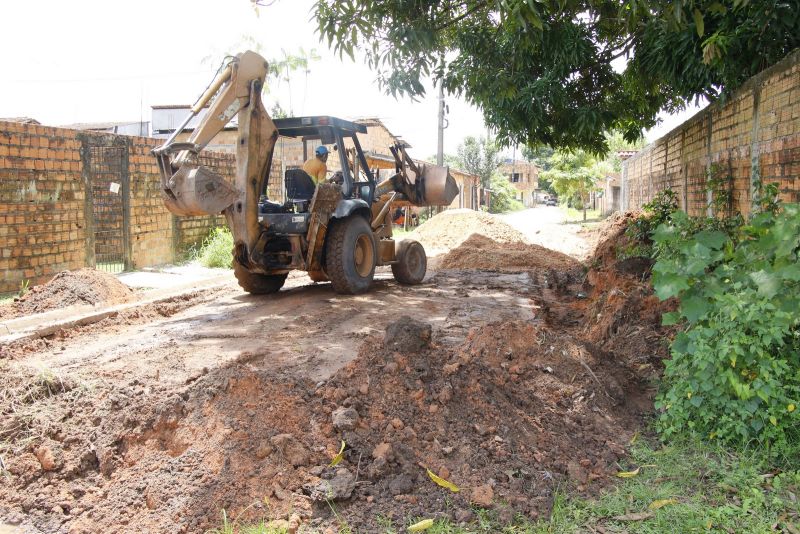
x=321 y=150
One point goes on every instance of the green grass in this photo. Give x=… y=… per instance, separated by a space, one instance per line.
x=710 y=489
x=573 y=215
x=216 y=249
x=713 y=489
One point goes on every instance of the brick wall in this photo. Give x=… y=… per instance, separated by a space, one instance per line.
x=49 y=197
x=754 y=134
x=41 y=203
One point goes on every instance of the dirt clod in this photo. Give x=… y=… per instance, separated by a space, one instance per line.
x=482 y=496
x=290 y=449
x=344 y=418
x=407 y=335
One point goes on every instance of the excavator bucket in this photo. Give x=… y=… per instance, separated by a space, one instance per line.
x=436 y=186
x=197 y=190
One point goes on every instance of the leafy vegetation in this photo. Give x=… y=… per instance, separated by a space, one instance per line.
x=544 y=72
x=504 y=195
x=573 y=176
x=479 y=156
x=216 y=249
x=655 y=213
x=734 y=374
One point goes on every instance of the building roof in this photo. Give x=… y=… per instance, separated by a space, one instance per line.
x=23 y=120
x=377 y=122
x=98 y=125
x=625 y=154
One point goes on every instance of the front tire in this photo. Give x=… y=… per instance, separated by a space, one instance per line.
x=411 y=263
x=350 y=255
x=257 y=283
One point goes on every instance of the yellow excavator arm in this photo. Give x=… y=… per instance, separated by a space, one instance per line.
x=189 y=188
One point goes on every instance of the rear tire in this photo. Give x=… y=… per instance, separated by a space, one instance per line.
x=257 y=283
x=411 y=263
x=350 y=255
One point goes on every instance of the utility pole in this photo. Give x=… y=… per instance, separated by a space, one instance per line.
x=440 y=150
x=442 y=125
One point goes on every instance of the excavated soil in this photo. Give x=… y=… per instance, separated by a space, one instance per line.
x=482 y=253
x=451 y=228
x=68 y=288
x=542 y=395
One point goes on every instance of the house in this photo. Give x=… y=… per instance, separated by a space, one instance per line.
x=609 y=199
x=524 y=176
x=21 y=120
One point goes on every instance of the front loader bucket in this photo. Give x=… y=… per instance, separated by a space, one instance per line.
x=436 y=186
x=197 y=190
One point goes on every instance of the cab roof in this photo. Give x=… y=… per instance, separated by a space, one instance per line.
x=310 y=126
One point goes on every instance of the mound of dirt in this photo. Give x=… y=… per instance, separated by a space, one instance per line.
x=510 y=415
x=482 y=253
x=451 y=228
x=623 y=315
x=67 y=288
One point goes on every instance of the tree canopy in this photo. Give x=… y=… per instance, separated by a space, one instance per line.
x=479 y=156
x=543 y=71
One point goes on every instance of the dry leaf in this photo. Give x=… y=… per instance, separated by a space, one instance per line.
x=638 y=516
x=628 y=474
x=660 y=503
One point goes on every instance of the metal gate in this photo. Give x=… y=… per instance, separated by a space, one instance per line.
x=108 y=173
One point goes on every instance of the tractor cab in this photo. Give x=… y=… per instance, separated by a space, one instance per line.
x=353 y=175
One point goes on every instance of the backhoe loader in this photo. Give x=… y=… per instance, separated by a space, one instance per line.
x=335 y=231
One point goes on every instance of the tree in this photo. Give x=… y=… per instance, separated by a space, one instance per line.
x=449 y=160
x=281 y=70
x=543 y=72
x=539 y=156
x=504 y=195
x=480 y=157
x=574 y=175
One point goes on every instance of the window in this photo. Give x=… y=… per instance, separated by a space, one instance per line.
x=515 y=177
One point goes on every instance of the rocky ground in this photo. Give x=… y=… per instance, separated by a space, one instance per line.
x=509 y=378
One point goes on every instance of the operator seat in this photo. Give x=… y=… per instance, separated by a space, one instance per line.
x=299 y=185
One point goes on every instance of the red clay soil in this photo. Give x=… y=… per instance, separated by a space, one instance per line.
x=509 y=416
x=513 y=412
x=479 y=252
x=68 y=288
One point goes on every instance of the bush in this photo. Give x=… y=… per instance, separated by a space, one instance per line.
x=216 y=250
x=503 y=196
x=735 y=368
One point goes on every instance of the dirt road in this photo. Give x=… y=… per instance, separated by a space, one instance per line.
x=306 y=328
x=547 y=226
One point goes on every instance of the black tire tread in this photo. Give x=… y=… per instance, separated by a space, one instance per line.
x=400 y=268
x=257 y=283
x=334 y=259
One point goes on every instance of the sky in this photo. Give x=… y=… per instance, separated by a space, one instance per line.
x=104 y=61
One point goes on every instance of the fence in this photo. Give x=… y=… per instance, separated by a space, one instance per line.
x=71 y=199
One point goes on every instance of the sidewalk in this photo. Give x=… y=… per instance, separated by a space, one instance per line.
x=153 y=286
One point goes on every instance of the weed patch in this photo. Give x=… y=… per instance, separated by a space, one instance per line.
x=216 y=249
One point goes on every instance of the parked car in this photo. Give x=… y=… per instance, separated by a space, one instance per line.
x=551 y=202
